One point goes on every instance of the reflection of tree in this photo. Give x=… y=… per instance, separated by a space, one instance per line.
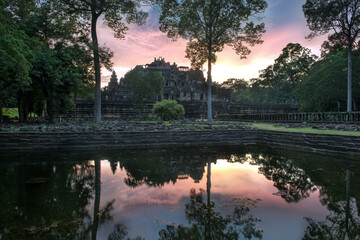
x=49 y=200
x=342 y=223
x=291 y=181
x=208 y=224
x=120 y=232
x=156 y=171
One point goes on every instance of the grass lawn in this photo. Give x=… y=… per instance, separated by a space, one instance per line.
x=11 y=112
x=268 y=126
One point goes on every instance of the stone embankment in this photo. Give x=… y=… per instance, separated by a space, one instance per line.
x=143 y=135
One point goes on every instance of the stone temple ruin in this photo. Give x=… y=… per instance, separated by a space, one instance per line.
x=181 y=83
x=185 y=85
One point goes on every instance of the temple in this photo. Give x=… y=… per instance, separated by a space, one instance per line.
x=181 y=83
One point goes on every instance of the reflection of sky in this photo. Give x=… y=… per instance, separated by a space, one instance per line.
x=284 y=22
x=147 y=210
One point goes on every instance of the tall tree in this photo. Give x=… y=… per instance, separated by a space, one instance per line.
x=144 y=85
x=62 y=58
x=209 y=25
x=114 y=13
x=280 y=79
x=324 y=89
x=342 y=19
x=15 y=54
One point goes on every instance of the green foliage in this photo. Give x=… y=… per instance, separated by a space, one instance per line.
x=326 y=16
x=10 y=112
x=326 y=87
x=145 y=85
x=168 y=109
x=15 y=58
x=115 y=15
x=342 y=20
x=276 y=83
x=210 y=25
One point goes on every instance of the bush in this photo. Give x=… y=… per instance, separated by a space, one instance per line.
x=168 y=110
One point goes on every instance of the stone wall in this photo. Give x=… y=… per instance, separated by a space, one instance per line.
x=25 y=141
x=193 y=109
x=347 y=145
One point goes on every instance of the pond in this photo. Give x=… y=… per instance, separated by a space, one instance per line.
x=204 y=193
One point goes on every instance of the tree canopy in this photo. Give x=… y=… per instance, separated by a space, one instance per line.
x=340 y=18
x=116 y=14
x=145 y=85
x=325 y=87
x=209 y=25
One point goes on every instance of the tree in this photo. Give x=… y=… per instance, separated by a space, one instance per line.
x=15 y=58
x=168 y=109
x=236 y=85
x=114 y=12
x=209 y=25
x=342 y=18
x=294 y=63
x=279 y=80
x=62 y=59
x=145 y=85
x=325 y=89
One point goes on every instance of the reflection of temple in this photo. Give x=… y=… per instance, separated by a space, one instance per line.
x=182 y=83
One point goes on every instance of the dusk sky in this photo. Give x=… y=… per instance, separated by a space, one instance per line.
x=284 y=20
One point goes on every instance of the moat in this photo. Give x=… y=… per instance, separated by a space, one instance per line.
x=252 y=192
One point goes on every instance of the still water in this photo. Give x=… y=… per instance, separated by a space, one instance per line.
x=232 y=193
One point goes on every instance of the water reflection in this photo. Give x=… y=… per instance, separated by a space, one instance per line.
x=119 y=198
x=208 y=224
x=291 y=181
x=343 y=222
x=45 y=201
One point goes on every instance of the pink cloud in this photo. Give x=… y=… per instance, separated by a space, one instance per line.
x=143 y=43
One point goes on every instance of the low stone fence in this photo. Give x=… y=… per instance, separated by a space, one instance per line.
x=346 y=145
x=295 y=117
x=26 y=141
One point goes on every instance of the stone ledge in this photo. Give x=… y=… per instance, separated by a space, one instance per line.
x=340 y=144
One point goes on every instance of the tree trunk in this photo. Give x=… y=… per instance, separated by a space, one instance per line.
x=1 y=114
x=208 y=191
x=46 y=92
x=349 y=98
x=97 y=106
x=49 y=110
x=22 y=109
x=95 y=224
x=347 y=230
x=209 y=104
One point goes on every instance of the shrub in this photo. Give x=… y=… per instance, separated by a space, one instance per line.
x=168 y=110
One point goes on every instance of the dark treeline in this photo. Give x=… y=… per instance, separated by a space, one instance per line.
x=299 y=77
x=45 y=58
x=49 y=52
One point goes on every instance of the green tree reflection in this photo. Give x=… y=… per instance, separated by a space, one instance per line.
x=342 y=223
x=292 y=182
x=208 y=224
x=157 y=170
x=50 y=201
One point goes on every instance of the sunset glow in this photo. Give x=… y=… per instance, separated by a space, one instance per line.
x=284 y=22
